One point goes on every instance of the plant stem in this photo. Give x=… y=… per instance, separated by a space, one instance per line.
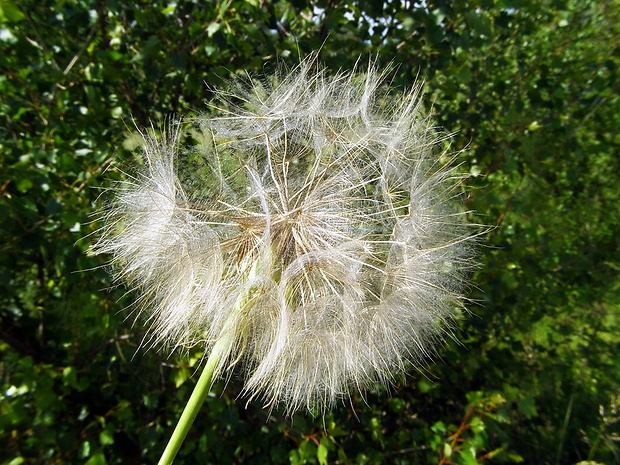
x=193 y=405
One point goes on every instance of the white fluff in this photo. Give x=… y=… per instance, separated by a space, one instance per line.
x=322 y=239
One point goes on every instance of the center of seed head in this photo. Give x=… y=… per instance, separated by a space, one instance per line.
x=280 y=230
x=283 y=234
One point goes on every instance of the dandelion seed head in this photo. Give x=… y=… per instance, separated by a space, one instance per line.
x=321 y=238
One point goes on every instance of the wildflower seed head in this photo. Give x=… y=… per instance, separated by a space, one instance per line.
x=318 y=234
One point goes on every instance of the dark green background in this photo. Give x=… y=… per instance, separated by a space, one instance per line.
x=529 y=87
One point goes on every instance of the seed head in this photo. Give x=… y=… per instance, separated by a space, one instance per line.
x=318 y=233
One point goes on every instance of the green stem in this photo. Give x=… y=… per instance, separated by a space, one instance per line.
x=193 y=405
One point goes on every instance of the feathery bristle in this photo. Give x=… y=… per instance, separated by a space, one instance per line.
x=324 y=241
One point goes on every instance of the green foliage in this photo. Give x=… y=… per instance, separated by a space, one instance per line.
x=531 y=88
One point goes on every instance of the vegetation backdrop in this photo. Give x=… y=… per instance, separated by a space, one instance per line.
x=531 y=88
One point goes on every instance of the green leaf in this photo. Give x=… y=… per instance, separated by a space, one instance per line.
x=321 y=453
x=16 y=461
x=98 y=458
x=180 y=376
x=213 y=28
x=106 y=437
x=10 y=12
x=24 y=185
x=527 y=407
x=439 y=428
x=69 y=376
x=468 y=457
x=477 y=425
